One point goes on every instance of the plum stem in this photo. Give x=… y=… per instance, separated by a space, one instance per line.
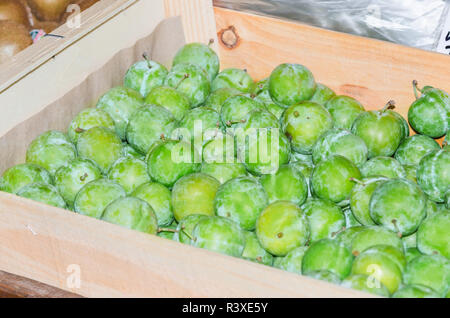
x=210 y=42
x=163 y=229
x=399 y=233
x=79 y=130
x=416 y=89
x=357 y=181
x=389 y=105
x=145 y=56
x=185 y=76
x=338 y=232
x=187 y=234
x=232 y=122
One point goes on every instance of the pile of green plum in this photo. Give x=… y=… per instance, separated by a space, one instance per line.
x=349 y=197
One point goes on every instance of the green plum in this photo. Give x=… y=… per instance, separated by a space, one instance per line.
x=198 y=126
x=374 y=235
x=101 y=145
x=340 y=142
x=433 y=174
x=431 y=271
x=129 y=151
x=329 y=255
x=304 y=123
x=299 y=157
x=360 y=198
x=411 y=253
x=254 y=252
x=233 y=78
x=95 y=196
x=325 y=219
x=132 y=213
x=433 y=236
x=344 y=110
x=121 y=103
x=383 y=166
x=143 y=76
x=186 y=227
x=242 y=200
x=69 y=179
x=332 y=179
x=87 y=119
x=168 y=97
x=21 y=175
x=350 y=220
x=159 y=198
x=171 y=160
x=224 y=171
x=282 y=227
x=403 y=122
x=130 y=173
x=415 y=291
x=44 y=193
x=324 y=275
x=216 y=99
x=51 y=150
x=414 y=148
x=221 y=149
x=290 y=84
x=260 y=118
x=287 y=184
x=194 y=194
x=191 y=80
x=201 y=55
x=235 y=109
x=411 y=172
x=220 y=235
x=410 y=241
x=346 y=236
x=262 y=96
x=394 y=253
x=292 y=262
x=430 y=113
x=366 y=284
x=322 y=95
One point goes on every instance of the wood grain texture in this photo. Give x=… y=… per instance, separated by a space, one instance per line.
x=41 y=242
x=369 y=70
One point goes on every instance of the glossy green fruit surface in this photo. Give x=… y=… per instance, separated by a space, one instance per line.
x=23 y=174
x=143 y=76
x=201 y=55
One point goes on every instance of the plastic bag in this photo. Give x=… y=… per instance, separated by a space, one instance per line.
x=416 y=23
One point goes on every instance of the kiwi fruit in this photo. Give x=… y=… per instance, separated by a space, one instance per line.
x=15 y=11
x=48 y=10
x=14 y=37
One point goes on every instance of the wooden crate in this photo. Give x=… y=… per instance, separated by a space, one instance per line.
x=52 y=79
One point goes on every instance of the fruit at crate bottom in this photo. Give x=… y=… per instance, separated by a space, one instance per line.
x=259 y=118
x=148 y=125
x=224 y=171
x=194 y=194
x=233 y=78
x=340 y=142
x=304 y=123
x=51 y=150
x=44 y=193
x=414 y=148
x=254 y=252
x=287 y=184
x=198 y=126
x=411 y=253
x=430 y=113
x=186 y=226
x=264 y=150
x=86 y=119
x=380 y=267
x=290 y=84
x=360 y=198
x=411 y=174
x=365 y=283
x=168 y=232
x=433 y=174
x=383 y=166
x=130 y=173
x=415 y=291
x=332 y=179
x=381 y=131
x=21 y=175
x=48 y=10
x=144 y=76
x=399 y=205
x=235 y=109
x=171 y=160
x=292 y=262
x=282 y=227
x=201 y=55
x=159 y=198
x=346 y=236
x=432 y=271
x=220 y=235
x=216 y=99
x=242 y=200
x=325 y=219
x=100 y=145
x=168 y=97
x=372 y=236
x=69 y=179
x=190 y=80
x=15 y=11
x=128 y=151
x=350 y=220
x=324 y=275
x=433 y=236
x=322 y=95
x=95 y=196
x=344 y=110
x=14 y=37
x=329 y=255
x=120 y=103
x=132 y=213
